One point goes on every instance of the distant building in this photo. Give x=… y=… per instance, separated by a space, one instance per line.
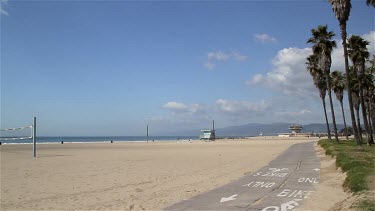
x=296 y=132
x=282 y=135
x=295 y=128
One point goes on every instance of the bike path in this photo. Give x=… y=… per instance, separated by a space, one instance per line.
x=282 y=185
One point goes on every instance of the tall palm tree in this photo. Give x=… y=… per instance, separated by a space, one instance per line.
x=322 y=47
x=358 y=53
x=320 y=84
x=341 y=8
x=338 y=86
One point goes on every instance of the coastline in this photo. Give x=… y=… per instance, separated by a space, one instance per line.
x=143 y=140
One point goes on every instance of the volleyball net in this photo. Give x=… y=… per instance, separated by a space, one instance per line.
x=20 y=133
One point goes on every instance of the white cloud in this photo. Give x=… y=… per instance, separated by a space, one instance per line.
x=2 y=5
x=218 y=56
x=182 y=109
x=293 y=113
x=256 y=79
x=264 y=38
x=209 y=65
x=175 y=106
x=242 y=107
x=289 y=75
x=180 y=116
x=371 y=38
x=239 y=57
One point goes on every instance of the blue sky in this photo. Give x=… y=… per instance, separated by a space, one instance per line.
x=112 y=67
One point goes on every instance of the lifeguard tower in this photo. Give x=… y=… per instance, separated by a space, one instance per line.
x=295 y=129
x=208 y=135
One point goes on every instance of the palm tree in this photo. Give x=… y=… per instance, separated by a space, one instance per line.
x=320 y=84
x=358 y=53
x=338 y=86
x=322 y=47
x=341 y=8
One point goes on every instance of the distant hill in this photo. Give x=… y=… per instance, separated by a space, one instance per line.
x=253 y=129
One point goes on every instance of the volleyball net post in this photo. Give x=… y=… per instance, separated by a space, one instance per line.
x=34 y=137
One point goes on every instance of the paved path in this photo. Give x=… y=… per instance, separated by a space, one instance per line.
x=283 y=185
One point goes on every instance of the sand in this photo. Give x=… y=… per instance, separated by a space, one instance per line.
x=330 y=193
x=127 y=176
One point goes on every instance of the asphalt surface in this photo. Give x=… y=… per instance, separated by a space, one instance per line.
x=284 y=184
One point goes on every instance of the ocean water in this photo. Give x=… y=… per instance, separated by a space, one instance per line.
x=93 y=139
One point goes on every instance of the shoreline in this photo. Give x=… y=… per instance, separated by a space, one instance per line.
x=248 y=138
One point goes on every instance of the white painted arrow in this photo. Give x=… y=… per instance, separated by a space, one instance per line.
x=230 y=198
x=316 y=169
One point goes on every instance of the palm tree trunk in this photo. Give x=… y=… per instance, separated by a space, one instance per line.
x=373 y=123
x=359 y=124
x=343 y=116
x=325 y=115
x=372 y=117
x=364 y=115
x=370 y=125
x=368 y=114
x=332 y=111
x=369 y=122
x=354 y=126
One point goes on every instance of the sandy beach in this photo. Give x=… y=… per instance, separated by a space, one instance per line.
x=127 y=176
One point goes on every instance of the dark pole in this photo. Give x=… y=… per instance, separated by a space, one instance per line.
x=147 y=133
x=34 y=138
x=213 y=128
